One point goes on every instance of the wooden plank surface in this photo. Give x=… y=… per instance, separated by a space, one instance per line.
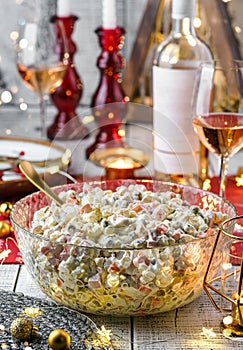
x=8 y=276
x=187 y=328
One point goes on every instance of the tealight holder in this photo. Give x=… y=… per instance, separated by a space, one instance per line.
x=119 y=162
x=227 y=283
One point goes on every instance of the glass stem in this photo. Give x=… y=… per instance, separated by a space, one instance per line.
x=222 y=175
x=42 y=115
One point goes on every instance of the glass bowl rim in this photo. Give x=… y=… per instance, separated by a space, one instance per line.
x=115 y=249
x=230 y=222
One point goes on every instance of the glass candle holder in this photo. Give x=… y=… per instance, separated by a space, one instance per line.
x=67 y=96
x=109 y=100
x=120 y=162
x=227 y=285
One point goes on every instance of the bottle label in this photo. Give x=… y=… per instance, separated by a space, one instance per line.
x=176 y=145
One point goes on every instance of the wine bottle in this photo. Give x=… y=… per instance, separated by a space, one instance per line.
x=178 y=154
x=162 y=28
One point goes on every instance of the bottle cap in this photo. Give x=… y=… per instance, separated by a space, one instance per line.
x=183 y=8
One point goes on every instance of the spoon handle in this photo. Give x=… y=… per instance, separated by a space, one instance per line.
x=31 y=174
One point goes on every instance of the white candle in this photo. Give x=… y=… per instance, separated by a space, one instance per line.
x=109 y=14
x=63 y=8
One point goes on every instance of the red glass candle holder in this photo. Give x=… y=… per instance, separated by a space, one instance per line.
x=66 y=97
x=109 y=100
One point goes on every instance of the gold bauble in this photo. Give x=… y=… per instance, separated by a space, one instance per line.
x=59 y=339
x=21 y=328
x=5 y=209
x=5 y=229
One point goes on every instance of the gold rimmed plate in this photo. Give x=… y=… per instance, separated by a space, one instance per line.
x=42 y=154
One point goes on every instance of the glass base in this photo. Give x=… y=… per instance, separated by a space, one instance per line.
x=108 y=137
x=67 y=127
x=185 y=180
x=231 y=329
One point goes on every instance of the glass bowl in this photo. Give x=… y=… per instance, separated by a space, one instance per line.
x=143 y=278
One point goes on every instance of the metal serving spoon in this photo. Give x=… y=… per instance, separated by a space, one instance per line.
x=31 y=174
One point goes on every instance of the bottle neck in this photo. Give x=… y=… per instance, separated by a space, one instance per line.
x=183 y=26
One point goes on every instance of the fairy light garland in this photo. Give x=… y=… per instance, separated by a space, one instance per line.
x=239 y=180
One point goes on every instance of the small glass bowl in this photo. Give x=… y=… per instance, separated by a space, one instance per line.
x=81 y=277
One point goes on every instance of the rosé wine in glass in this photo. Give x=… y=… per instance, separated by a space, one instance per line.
x=218 y=110
x=39 y=67
x=221 y=133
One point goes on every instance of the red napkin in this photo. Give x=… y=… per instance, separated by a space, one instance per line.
x=234 y=194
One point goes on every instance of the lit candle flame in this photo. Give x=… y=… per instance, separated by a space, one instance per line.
x=122 y=163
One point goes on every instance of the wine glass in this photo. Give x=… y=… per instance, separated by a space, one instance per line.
x=224 y=285
x=39 y=66
x=218 y=110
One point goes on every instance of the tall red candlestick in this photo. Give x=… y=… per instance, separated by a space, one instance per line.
x=109 y=100
x=66 y=97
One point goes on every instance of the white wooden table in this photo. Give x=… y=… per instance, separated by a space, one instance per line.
x=195 y=326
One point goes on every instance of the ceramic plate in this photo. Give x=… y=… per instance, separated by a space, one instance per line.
x=41 y=154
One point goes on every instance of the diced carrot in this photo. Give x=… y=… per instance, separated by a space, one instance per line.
x=155 y=302
x=59 y=283
x=210 y=231
x=114 y=268
x=177 y=236
x=161 y=229
x=86 y=209
x=137 y=208
x=72 y=200
x=143 y=288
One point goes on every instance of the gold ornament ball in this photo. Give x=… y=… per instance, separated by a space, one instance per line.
x=5 y=229
x=59 y=339
x=5 y=209
x=21 y=328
